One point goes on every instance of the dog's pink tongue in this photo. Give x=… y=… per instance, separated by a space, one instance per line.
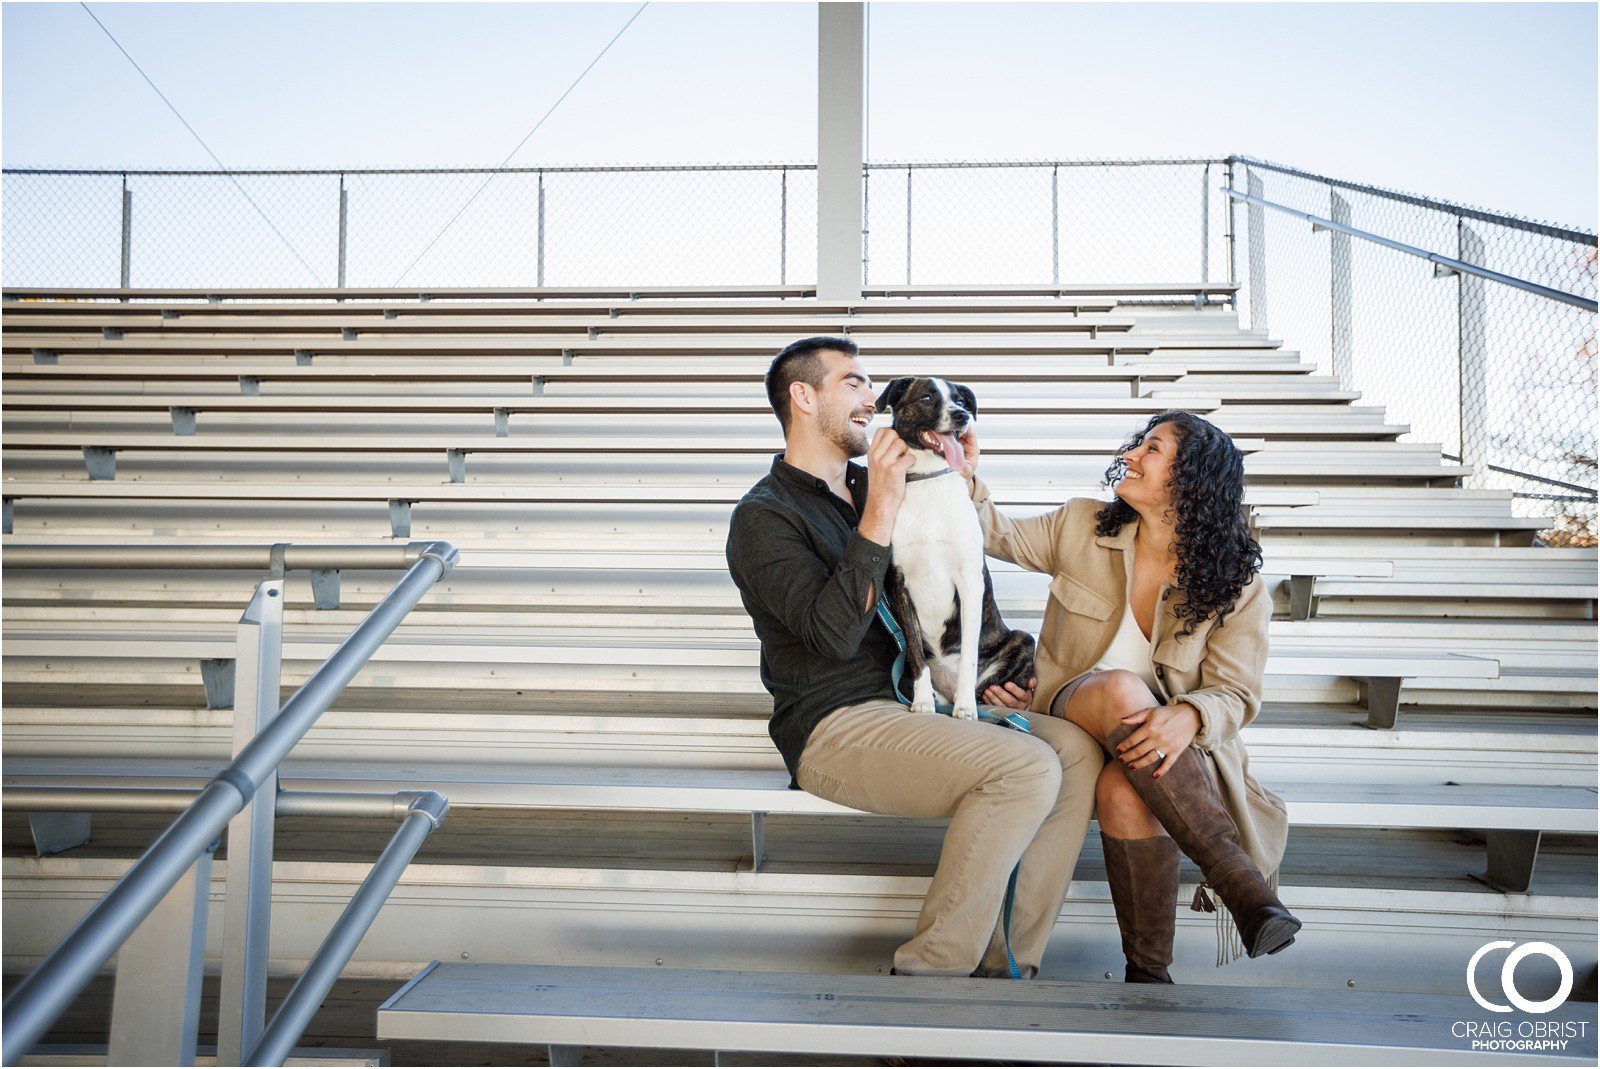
x=953 y=453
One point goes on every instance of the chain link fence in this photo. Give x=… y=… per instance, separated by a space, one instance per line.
x=1050 y=222
x=1500 y=376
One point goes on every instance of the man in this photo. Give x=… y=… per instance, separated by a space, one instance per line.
x=809 y=548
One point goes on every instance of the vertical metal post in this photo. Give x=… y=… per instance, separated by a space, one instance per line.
x=344 y=221
x=541 y=229
x=1055 y=225
x=783 y=227
x=127 y=234
x=908 y=226
x=1205 y=226
x=1233 y=230
x=247 y=909
x=866 y=223
x=155 y=1005
x=841 y=149
x=1341 y=295
x=1474 y=359
x=1254 y=219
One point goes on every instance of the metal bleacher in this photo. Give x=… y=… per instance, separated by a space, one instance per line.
x=583 y=685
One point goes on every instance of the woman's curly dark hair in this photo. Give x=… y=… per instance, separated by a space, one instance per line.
x=1216 y=554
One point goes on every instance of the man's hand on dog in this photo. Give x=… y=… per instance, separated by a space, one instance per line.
x=888 y=460
x=1011 y=696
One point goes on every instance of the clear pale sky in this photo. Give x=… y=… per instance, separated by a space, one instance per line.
x=1489 y=104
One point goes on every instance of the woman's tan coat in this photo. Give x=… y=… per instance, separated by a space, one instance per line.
x=1217 y=669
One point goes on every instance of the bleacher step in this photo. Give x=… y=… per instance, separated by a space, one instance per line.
x=932 y=1017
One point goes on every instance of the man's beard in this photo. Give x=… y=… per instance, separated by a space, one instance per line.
x=838 y=429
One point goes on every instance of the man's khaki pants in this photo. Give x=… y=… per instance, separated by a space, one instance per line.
x=1008 y=795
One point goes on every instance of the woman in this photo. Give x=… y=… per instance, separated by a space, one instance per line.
x=1154 y=640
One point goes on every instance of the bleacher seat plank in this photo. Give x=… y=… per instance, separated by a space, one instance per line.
x=467 y=347
x=736 y=790
x=938 y=1017
x=609 y=405
x=374 y=324
x=423 y=293
x=609 y=308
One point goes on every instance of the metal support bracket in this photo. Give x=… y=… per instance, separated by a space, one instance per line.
x=458 y=464
x=183 y=422
x=594 y=333
x=758 y=840
x=54 y=833
x=302 y=357
x=247 y=907
x=566 y=357
x=1383 y=702
x=349 y=333
x=538 y=386
x=10 y=513
x=564 y=1055
x=1511 y=858
x=1302 y=600
x=325 y=587
x=171 y=313
x=1441 y=271
x=101 y=462
x=502 y=423
x=46 y=356
x=390 y=313
x=110 y=334
x=218 y=676
x=250 y=385
x=155 y=1004
x=399 y=518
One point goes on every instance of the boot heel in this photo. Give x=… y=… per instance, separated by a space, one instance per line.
x=1274 y=933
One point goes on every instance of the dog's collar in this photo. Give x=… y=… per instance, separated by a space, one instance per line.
x=917 y=477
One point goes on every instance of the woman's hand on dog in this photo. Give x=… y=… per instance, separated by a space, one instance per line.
x=1011 y=696
x=969 y=447
x=1166 y=729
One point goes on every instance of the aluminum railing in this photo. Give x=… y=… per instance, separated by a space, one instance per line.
x=157 y=911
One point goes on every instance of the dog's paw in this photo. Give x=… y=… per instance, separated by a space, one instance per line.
x=967 y=710
x=924 y=707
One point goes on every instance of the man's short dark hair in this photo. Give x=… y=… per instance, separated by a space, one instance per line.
x=798 y=362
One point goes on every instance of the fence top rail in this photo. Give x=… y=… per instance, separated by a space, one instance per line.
x=641 y=168
x=276 y=557
x=1581 y=237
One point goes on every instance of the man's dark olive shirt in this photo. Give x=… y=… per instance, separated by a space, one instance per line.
x=810 y=582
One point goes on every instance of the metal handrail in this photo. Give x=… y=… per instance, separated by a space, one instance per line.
x=47 y=991
x=1448 y=263
x=279 y=556
x=1549 y=230
x=63 y=798
x=322 y=972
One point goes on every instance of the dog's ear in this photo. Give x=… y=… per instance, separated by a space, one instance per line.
x=892 y=393
x=968 y=399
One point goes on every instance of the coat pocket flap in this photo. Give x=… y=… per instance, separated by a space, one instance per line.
x=1076 y=597
x=1183 y=654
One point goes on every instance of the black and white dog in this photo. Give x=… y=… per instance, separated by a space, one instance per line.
x=939 y=587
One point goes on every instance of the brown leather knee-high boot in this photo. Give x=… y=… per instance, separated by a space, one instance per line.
x=1187 y=804
x=1143 y=876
